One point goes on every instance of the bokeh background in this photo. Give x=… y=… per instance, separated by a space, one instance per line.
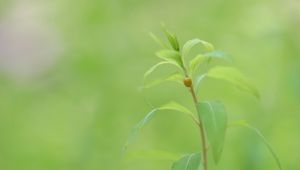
x=70 y=73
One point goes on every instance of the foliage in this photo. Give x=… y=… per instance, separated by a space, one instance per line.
x=211 y=115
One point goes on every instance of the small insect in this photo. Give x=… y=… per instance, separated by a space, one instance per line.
x=187 y=82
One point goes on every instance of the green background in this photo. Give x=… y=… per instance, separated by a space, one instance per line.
x=78 y=114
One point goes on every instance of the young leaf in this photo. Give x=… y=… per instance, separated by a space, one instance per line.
x=171 y=38
x=218 y=54
x=169 y=106
x=264 y=140
x=195 y=62
x=214 y=118
x=198 y=81
x=171 y=56
x=134 y=132
x=176 y=77
x=158 y=40
x=188 y=162
x=154 y=67
x=153 y=154
x=191 y=43
x=176 y=107
x=233 y=76
x=206 y=57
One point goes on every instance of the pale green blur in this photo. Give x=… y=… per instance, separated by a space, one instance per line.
x=76 y=113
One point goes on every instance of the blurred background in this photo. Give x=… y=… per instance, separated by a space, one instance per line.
x=70 y=73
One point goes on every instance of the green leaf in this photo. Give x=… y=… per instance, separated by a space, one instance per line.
x=188 y=162
x=169 y=106
x=214 y=118
x=195 y=62
x=264 y=140
x=158 y=40
x=218 y=55
x=206 y=57
x=154 y=67
x=175 y=77
x=199 y=79
x=171 y=56
x=179 y=108
x=233 y=76
x=153 y=154
x=139 y=126
x=191 y=43
x=171 y=38
x=176 y=107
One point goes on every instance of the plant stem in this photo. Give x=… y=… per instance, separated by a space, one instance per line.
x=189 y=84
x=202 y=131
